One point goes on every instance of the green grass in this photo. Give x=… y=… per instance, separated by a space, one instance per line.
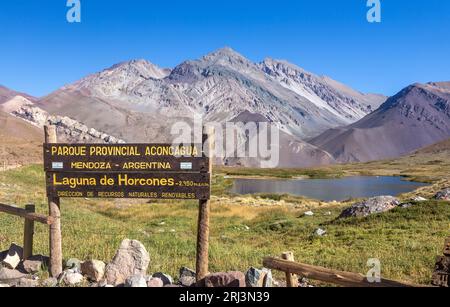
x=405 y=240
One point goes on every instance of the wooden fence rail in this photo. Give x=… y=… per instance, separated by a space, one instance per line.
x=30 y=216
x=340 y=278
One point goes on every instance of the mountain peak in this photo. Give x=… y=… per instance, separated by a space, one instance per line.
x=225 y=55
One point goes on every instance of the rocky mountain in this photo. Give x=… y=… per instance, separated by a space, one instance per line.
x=137 y=100
x=30 y=115
x=417 y=116
x=6 y=94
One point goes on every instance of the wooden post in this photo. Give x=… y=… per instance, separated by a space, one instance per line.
x=55 y=213
x=28 y=234
x=346 y=279
x=291 y=279
x=202 y=261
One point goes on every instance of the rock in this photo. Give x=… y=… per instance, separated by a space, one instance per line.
x=34 y=264
x=50 y=282
x=320 y=232
x=443 y=195
x=136 y=281
x=406 y=205
x=74 y=264
x=4 y=286
x=94 y=270
x=304 y=283
x=166 y=279
x=220 y=280
x=154 y=282
x=27 y=283
x=13 y=257
x=184 y=271
x=371 y=206
x=7 y=275
x=72 y=278
x=309 y=213
x=254 y=278
x=187 y=281
x=268 y=279
x=131 y=259
x=419 y=199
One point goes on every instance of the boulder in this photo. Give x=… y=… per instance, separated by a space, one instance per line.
x=320 y=232
x=166 y=279
x=371 y=206
x=221 y=280
x=94 y=270
x=187 y=281
x=443 y=195
x=35 y=264
x=254 y=278
x=184 y=271
x=309 y=213
x=74 y=264
x=131 y=259
x=419 y=199
x=136 y=281
x=7 y=275
x=13 y=257
x=4 y=286
x=268 y=279
x=154 y=282
x=72 y=278
x=27 y=283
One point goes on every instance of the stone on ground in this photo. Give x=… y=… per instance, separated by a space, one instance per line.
x=166 y=279
x=35 y=264
x=72 y=278
x=7 y=275
x=94 y=270
x=443 y=195
x=131 y=259
x=13 y=257
x=74 y=264
x=49 y=282
x=136 y=281
x=154 y=282
x=371 y=206
x=220 y=280
x=254 y=278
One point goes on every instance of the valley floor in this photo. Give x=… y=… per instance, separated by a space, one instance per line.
x=244 y=229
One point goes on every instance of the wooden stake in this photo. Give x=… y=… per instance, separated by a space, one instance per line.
x=28 y=234
x=291 y=279
x=55 y=213
x=202 y=261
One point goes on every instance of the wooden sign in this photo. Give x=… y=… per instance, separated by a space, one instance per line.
x=155 y=171
x=129 y=185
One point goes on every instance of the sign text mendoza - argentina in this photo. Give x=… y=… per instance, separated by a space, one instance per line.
x=158 y=171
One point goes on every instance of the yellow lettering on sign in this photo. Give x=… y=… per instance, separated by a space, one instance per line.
x=180 y=151
x=74 y=182
x=91 y=165
x=68 y=150
x=114 y=151
x=124 y=180
x=146 y=165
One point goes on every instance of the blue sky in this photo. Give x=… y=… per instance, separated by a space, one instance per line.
x=40 y=51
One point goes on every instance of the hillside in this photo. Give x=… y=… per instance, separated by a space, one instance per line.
x=21 y=142
x=416 y=117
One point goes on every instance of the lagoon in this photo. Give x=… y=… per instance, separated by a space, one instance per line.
x=328 y=189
